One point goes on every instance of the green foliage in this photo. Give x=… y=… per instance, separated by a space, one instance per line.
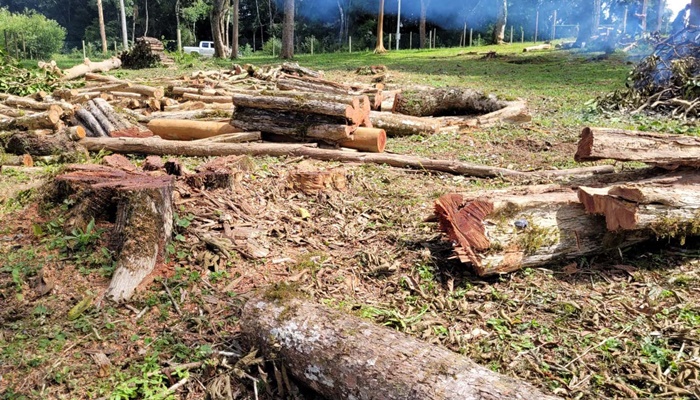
x=21 y=82
x=273 y=46
x=42 y=37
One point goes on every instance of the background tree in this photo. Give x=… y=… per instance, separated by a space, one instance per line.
x=499 y=29
x=122 y=13
x=586 y=22
x=235 y=28
x=288 y=30
x=380 y=29
x=101 y=20
x=219 y=10
x=421 y=24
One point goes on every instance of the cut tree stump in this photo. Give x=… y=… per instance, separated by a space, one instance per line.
x=668 y=206
x=220 y=173
x=312 y=180
x=659 y=149
x=344 y=357
x=140 y=204
x=501 y=231
x=180 y=129
x=445 y=101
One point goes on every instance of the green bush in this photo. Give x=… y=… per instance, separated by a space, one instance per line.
x=42 y=37
x=273 y=46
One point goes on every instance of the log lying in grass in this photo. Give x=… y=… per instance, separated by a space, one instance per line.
x=312 y=85
x=88 y=67
x=648 y=147
x=142 y=207
x=404 y=125
x=445 y=101
x=344 y=357
x=48 y=119
x=28 y=103
x=207 y=147
x=207 y=99
x=505 y=230
x=539 y=47
x=371 y=140
x=126 y=86
x=668 y=206
x=181 y=129
x=22 y=142
x=24 y=160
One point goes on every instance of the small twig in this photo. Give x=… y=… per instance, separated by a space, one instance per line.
x=170 y=295
x=596 y=346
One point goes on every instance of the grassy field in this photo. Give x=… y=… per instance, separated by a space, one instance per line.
x=621 y=325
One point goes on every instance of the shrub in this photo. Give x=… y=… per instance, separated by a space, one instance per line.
x=273 y=46
x=42 y=37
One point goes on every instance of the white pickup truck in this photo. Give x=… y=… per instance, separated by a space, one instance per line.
x=205 y=49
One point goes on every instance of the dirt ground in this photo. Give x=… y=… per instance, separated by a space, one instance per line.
x=621 y=325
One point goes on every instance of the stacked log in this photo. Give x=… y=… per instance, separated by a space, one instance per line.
x=504 y=230
x=147 y=52
x=98 y=118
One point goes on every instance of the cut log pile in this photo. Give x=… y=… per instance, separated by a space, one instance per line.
x=147 y=52
x=500 y=231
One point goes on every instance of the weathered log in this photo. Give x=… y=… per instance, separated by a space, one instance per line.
x=149 y=91
x=92 y=126
x=115 y=119
x=111 y=87
x=42 y=145
x=668 y=206
x=295 y=68
x=24 y=160
x=344 y=357
x=12 y=112
x=648 y=147
x=43 y=120
x=539 y=47
x=516 y=112
x=65 y=94
x=205 y=147
x=335 y=106
x=404 y=125
x=195 y=114
x=181 y=129
x=445 y=101
x=74 y=133
x=372 y=140
x=300 y=126
x=25 y=102
x=207 y=99
x=100 y=117
x=312 y=85
x=89 y=67
x=505 y=230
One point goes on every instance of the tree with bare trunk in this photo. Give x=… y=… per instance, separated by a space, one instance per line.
x=499 y=30
x=421 y=25
x=219 y=10
x=586 y=22
x=660 y=15
x=101 y=21
x=145 y=7
x=125 y=35
x=288 y=30
x=234 y=38
x=694 y=13
x=380 y=30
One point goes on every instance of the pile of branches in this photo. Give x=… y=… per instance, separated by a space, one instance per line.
x=667 y=82
x=20 y=81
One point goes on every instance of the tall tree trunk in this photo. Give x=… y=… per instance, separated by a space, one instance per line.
x=288 y=30
x=342 y=23
x=660 y=15
x=145 y=31
x=586 y=23
x=694 y=13
x=234 y=36
x=134 y=16
x=218 y=17
x=380 y=29
x=499 y=30
x=421 y=26
x=177 y=20
x=262 y=39
x=645 y=7
x=101 y=20
x=125 y=40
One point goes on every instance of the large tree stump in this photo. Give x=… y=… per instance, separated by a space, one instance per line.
x=445 y=101
x=344 y=357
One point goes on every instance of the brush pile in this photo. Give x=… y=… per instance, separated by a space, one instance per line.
x=665 y=82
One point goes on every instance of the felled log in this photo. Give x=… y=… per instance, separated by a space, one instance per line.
x=88 y=67
x=194 y=114
x=150 y=91
x=372 y=140
x=24 y=160
x=445 y=101
x=43 y=120
x=12 y=112
x=397 y=125
x=42 y=145
x=73 y=133
x=300 y=126
x=180 y=129
x=501 y=231
x=545 y=46
x=341 y=356
x=295 y=68
x=668 y=206
x=25 y=102
x=207 y=99
x=516 y=112
x=92 y=127
x=143 y=219
x=312 y=85
x=648 y=147
x=205 y=147
x=100 y=119
x=342 y=107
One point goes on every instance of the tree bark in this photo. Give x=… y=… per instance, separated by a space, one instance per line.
x=218 y=17
x=125 y=35
x=648 y=147
x=380 y=30
x=179 y=129
x=344 y=357
x=421 y=25
x=397 y=125
x=48 y=119
x=448 y=101
x=300 y=126
x=501 y=231
x=206 y=148
x=42 y=145
x=207 y=99
x=101 y=21
x=234 y=35
x=91 y=125
x=499 y=29
x=288 y=31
